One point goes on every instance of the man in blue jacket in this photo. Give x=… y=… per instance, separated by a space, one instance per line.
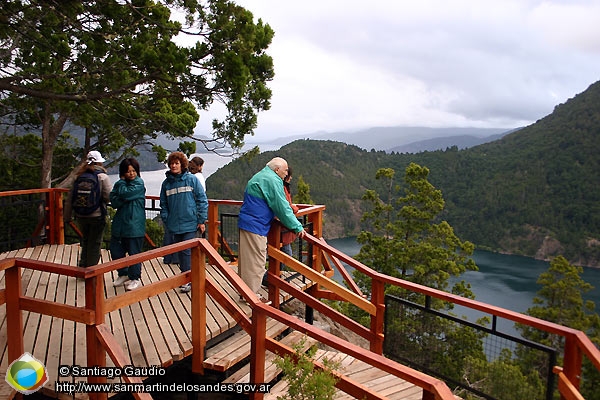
x=264 y=199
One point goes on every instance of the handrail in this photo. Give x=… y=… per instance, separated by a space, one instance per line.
x=100 y=340
x=576 y=342
x=260 y=312
x=314 y=276
x=96 y=306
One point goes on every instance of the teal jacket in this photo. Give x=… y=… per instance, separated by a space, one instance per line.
x=128 y=197
x=183 y=203
x=264 y=199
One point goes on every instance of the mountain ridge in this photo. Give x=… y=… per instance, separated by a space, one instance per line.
x=533 y=192
x=389 y=138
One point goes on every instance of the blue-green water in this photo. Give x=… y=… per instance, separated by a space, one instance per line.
x=502 y=280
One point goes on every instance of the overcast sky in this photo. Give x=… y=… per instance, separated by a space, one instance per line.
x=344 y=65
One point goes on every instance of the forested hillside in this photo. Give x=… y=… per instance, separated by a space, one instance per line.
x=534 y=192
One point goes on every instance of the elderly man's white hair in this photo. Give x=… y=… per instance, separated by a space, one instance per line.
x=276 y=162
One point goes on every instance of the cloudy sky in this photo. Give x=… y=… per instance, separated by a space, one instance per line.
x=344 y=65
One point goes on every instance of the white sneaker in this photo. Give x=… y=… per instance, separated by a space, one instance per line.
x=134 y=284
x=121 y=280
x=186 y=287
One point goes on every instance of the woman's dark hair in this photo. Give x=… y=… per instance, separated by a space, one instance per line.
x=124 y=166
x=289 y=172
x=198 y=161
x=195 y=164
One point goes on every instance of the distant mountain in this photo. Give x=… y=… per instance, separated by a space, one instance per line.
x=391 y=138
x=534 y=192
x=443 y=143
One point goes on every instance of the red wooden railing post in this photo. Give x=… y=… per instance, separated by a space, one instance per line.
x=572 y=361
x=59 y=220
x=213 y=224
x=53 y=216
x=14 y=318
x=258 y=337
x=96 y=355
x=198 y=309
x=274 y=239
x=316 y=221
x=377 y=320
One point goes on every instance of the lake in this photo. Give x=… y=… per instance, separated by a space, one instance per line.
x=503 y=280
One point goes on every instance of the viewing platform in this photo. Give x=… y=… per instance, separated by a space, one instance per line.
x=155 y=331
x=69 y=316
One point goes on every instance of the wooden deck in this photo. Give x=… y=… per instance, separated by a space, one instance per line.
x=154 y=332
x=157 y=331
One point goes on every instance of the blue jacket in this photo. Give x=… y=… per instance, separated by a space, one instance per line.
x=183 y=203
x=128 y=197
x=264 y=199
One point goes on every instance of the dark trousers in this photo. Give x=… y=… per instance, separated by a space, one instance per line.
x=92 y=229
x=185 y=256
x=119 y=247
x=167 y=240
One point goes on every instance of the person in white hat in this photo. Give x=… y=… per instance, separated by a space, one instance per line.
x=94 y=157
x=89 y=198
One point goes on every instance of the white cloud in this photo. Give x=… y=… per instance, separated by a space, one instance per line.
x=344 y=65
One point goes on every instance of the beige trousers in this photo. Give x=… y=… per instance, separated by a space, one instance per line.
x=252 y=259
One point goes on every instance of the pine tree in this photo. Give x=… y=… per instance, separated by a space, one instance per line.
x=560 y=301
x=303 y=195
x=406 y=238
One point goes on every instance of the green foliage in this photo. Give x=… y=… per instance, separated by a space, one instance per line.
x=305 y=381
x=131 y=75
x=155 y=231
x=560 y=301
x=20 y=157
x=404 y=237
x=303 y=195
x=187 y=148
x=501 y=379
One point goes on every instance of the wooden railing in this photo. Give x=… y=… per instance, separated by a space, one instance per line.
x=101 y=342
x=577 y=344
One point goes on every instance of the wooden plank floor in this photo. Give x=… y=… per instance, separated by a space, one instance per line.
x=373 y=378
x=154 y=332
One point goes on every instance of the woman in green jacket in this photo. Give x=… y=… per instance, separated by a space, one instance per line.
x=129 y=223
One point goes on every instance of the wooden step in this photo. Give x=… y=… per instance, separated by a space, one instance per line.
x=271 y=371
x=234 y=349
x=385 y=385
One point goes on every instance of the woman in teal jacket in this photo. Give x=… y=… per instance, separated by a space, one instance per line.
x=183 y=207
x=129 y=223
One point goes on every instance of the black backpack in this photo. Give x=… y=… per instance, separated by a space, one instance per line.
x=87 y=196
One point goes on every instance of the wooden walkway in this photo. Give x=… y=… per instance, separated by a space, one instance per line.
x=154 y=332
x=157 y=331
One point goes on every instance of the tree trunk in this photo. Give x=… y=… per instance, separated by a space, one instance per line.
x=50 y=130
